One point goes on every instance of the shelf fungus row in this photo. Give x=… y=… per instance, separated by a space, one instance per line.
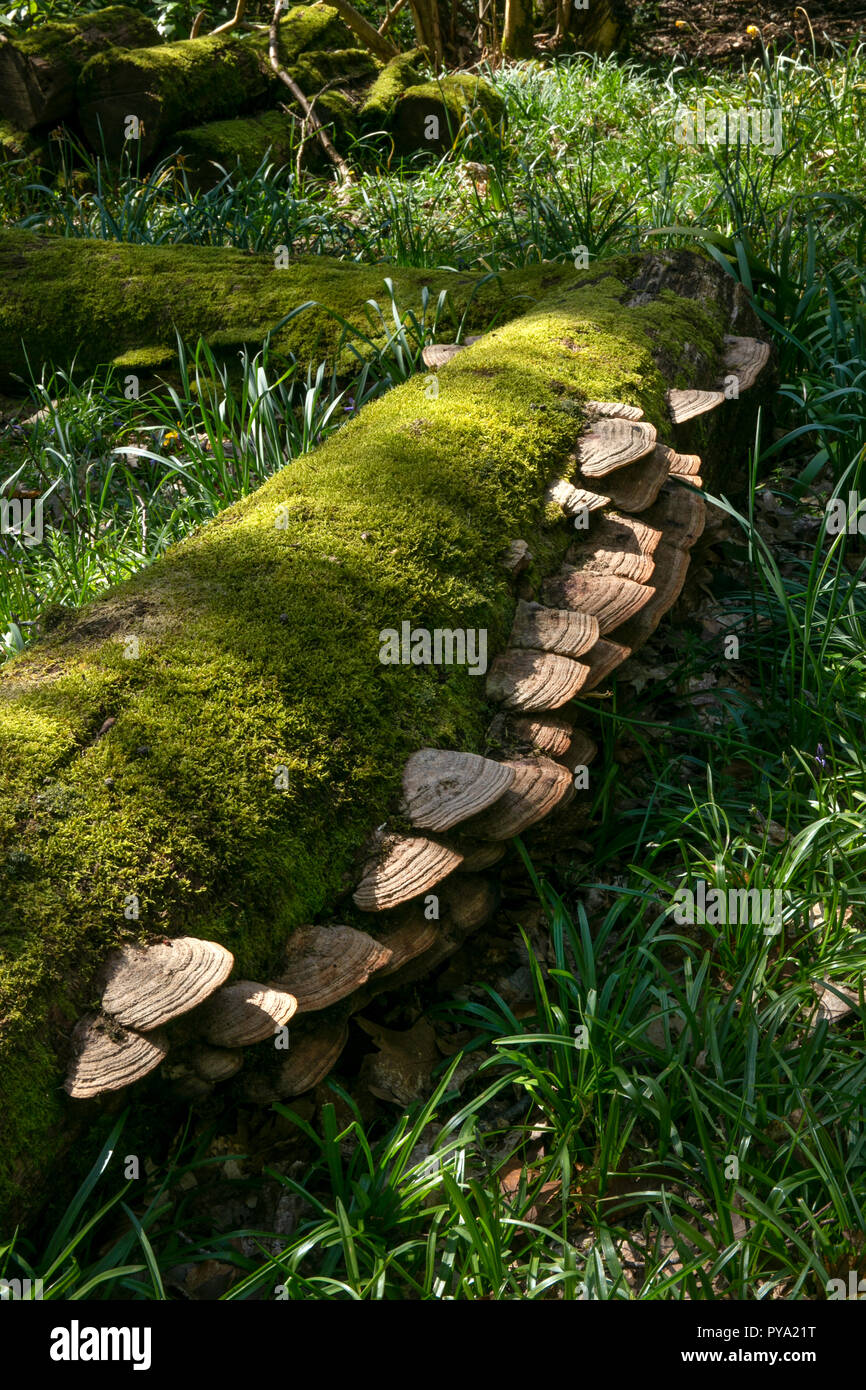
x=179 y=982
x=638 y=511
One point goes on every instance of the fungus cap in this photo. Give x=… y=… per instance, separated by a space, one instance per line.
x=561 y=630
x=611 y=444
x=401 y=867
x=539 y=787
x=685 y=405
x=108 y=1057
x=146 y=986
x=442 y=788
x=324 y=964
x=243 y=1013
x=608 y=597
x=534 y=680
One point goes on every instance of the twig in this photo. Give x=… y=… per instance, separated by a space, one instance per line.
x=197 y=23
x=391 y=16
x=309 y=115
x=234 y=21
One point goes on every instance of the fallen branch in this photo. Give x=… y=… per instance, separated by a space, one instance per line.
x=390 y=17
x=371 y=37
x=309 y=114
x=234 y=21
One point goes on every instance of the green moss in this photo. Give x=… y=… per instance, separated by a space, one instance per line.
x=72 y=40
x=398 y=74
x=258 y=649
x=448 y=99
x=16 y=144
x=180 y=85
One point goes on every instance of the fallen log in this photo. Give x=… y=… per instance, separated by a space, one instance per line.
x=176 y=85
x=39 y=69
x=116 y=302
x=269 y=681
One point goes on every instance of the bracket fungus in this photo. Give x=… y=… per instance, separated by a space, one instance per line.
x=531 y=680
x=612 y=444
x=325 y=964
x=407 y=935
x=637 y=486
x=685 y=405
x=146 y=986
x=619 y=545
x=107 y=1057
x=687 y=466
x=572 y=500
x=609 y=598
x=314 y=1052
x=403 y=867
x=745 y=358
x=477 y=857
x=440 y=354
x=551 y=733
x=615 y=410
x=244 y=1013
x=539 y=787
x=604 y=658
x=442 y=788
x=560 y=630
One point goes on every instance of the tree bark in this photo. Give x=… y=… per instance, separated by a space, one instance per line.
x=592 y=26
x=518 y=30
x=39 y=69
x=365 y=31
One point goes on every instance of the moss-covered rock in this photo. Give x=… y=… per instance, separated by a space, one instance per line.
x=398 y=74
x=257 y=648
x=430 y=115
x=180 y=85
x=39 y=69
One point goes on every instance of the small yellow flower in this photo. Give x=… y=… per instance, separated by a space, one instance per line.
x=171 y=438
x=681 y=24
x=753 y=31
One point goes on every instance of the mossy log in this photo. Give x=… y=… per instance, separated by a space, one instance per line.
x=114 y=302
x=40 y=68
x=178 y=85
x=258 y=737
x=246 y=140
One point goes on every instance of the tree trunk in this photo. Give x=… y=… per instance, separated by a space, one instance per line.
x=215 y=740
x=592 y=26
x=518 y=31
x=39 y=69
x=365 y=31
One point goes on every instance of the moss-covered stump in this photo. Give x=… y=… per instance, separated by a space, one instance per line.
x=40 y=68
x=179 y=85
x=205 y=750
